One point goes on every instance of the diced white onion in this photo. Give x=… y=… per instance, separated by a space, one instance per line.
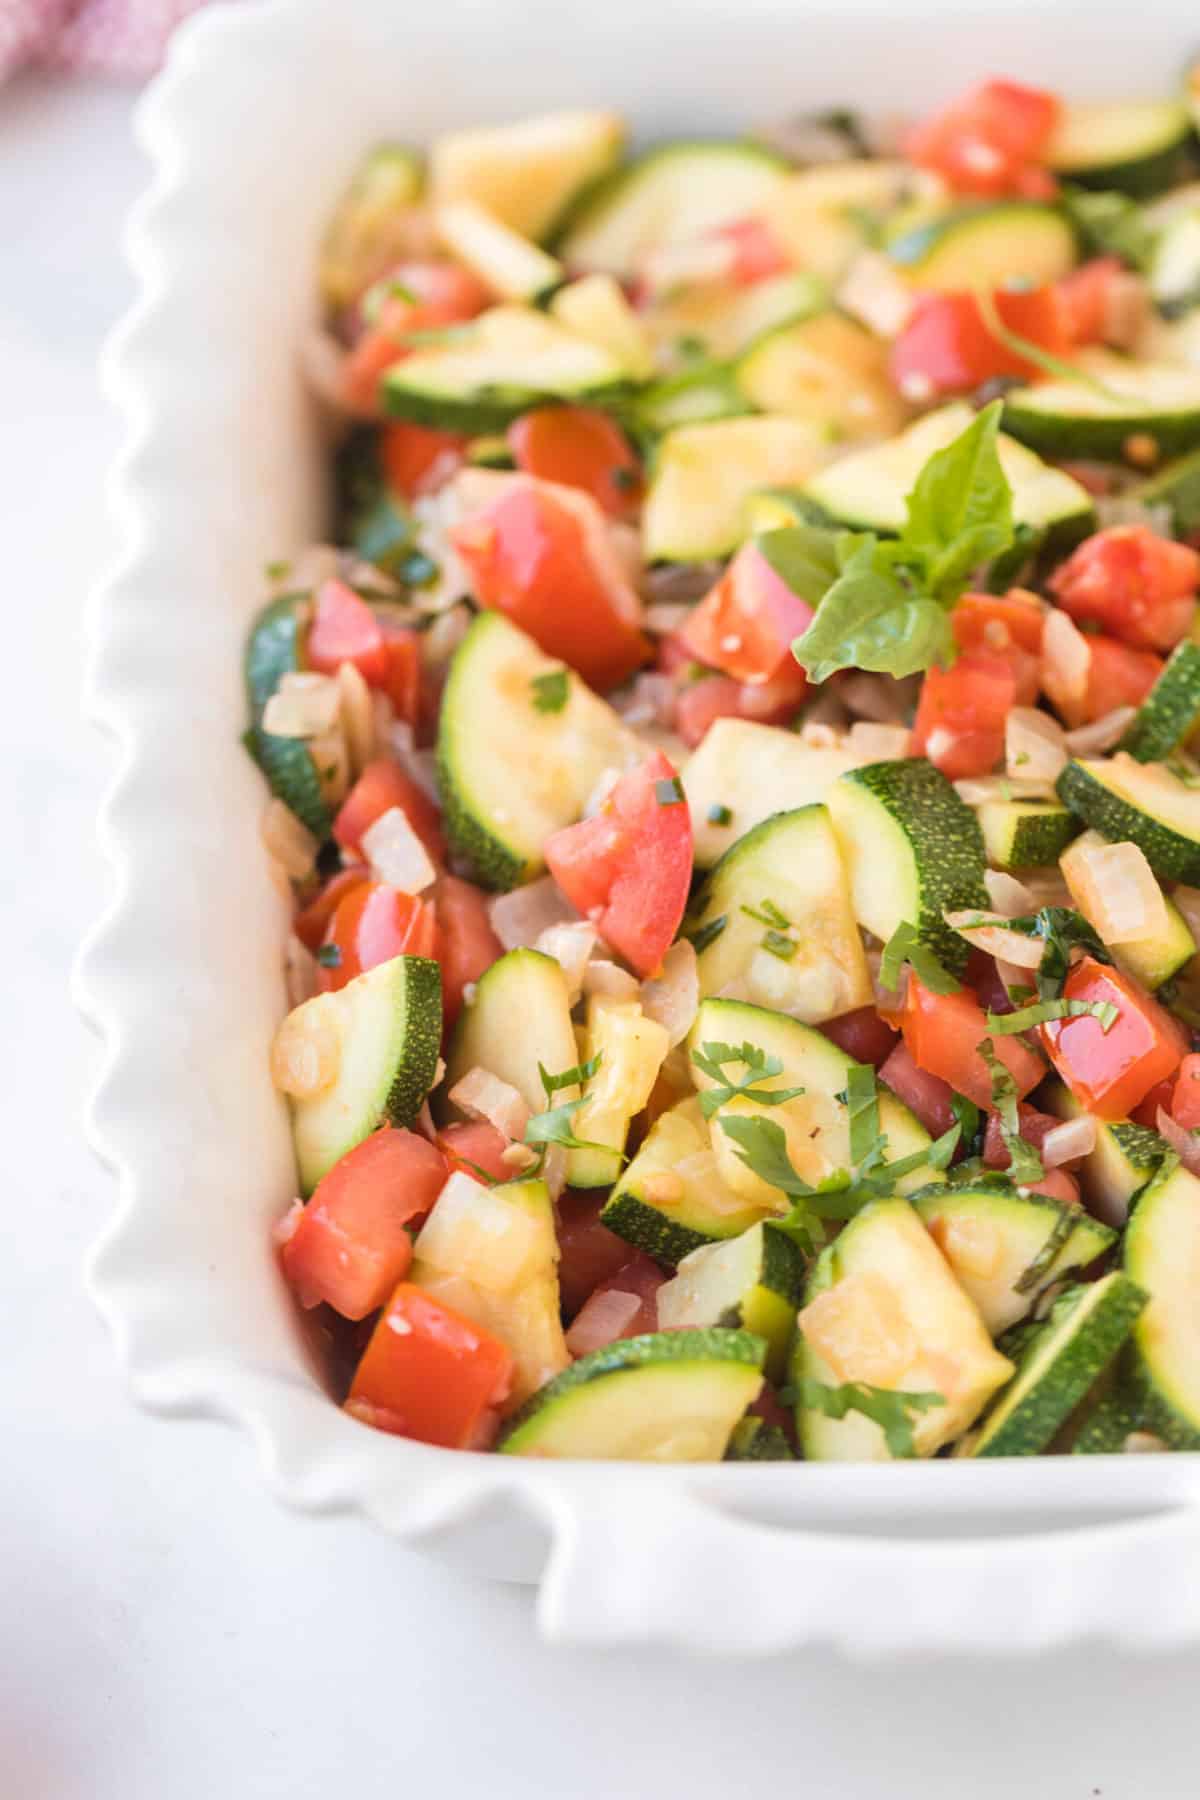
x=994 y=938
x=1064 y=1143
x=307 y=1048
x=609 y=979
x=672 y=998
x=554 y=1170
x=601 y=1320
x=332 y=760
x=1034 y=746
x=816 y=734
x=1114 y=887
x=443 y=637
x=482 y=1095
x=1101 y=734
x=980 y=790
x=571 y=945
x=303 y=707
x=520 y=917
x=873 y=292
x=287 y=840
x=650 y=700
x=396 y=854
x=1008 y=895
x=881 y=743
x=1066 y=657
x=1180 y=1140
x=357 y=716
x=602 y=787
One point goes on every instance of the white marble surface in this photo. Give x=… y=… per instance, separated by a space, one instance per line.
x=166 y=1633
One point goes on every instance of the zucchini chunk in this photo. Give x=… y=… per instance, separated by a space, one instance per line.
x=275 y=648
x=527 y=173
x=491 y=1253
x=509 y=775
x=775 y=916
x=1147 y=804
x=390 y=1028
x=504 y=261
x=704 y=474
x=723 y=319
x=1118 y=400
x=672 y=1198
x=753 y=1440
x=1135 y=146
x=668 y=195
x=595 y=308
x=828 y=370
x=1175 y=268
x=883 y=1309
x=369 y=226
x=825 y=215
x=743 y=772
x=485 y=373
x=1107 y=1424
x=1162 y=1253
x=986 y=246
x=868 y=489
x=670 y=1396
x=1005 y=1245
x=1025 y=834
x=630 y=1048
x=1126 y=1156
x=695 y=396
x=913 y=851
x=1170 y=713
x=753 y=1283
x=1152 y=959
x=526 y=987
x=1086 y=1328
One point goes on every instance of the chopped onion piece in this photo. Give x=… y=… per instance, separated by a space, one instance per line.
x=443 y=637
x=1101 y=734
x=881 y=743
x=396 y=854
x=1180 y=1140
x=287 y=840
x=980 y=790
x=815 y=734
x=1008 y=895
x=520 y=917
x=650 y=700
x=357 y=716
x=554 y=1170
x=1067 y=1142
x=1034 y=746
x=672 y=998
x=601 y=1319
x=609 y=979
x=284 y=1230
x=1115 y=889
x=603 y=786
x=1066 y=655
x=307 y=1048
x=571 y=945
x=876 y=294
x=304 y=707
x=332 y=760
x=482 y=1095
x=995 y=939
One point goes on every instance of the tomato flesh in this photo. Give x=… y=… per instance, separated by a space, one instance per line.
x=371 y=924
x=989 y=140
x=402 y=678
x=863 y=1035
x=943 y=1033
x=541 y=554
x=746 y=624
x=344 y=629
x=1138 y=586
x=925 y=1095
x=417 y=460
x=630 y=867
x=947 y=347
x=431 y=1374
x=312 y=921
x=466 y=943
x=1086 y=294
x=382 y=785
x=474 y=1145
x=351 y=1244
x=700 y=703
x=758 y=253
x=961 y=715
x=425 y=296
x=1033 y=1126
x=1185 y=1095
x=589 y=1253
x=1109 y=1072
x=581 y=448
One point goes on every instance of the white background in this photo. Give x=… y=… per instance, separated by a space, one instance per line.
x=166 y=1632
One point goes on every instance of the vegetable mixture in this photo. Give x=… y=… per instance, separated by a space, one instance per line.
x=737 y=784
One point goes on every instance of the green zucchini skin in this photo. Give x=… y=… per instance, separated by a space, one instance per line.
x=275 y=648
x=1171 y=711
x=753 y=1440
x=1025 y=834
x=1109 y=1423
x=1162 y=1240
x=1169 y=852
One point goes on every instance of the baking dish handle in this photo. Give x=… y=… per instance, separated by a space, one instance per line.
x=664 y=1566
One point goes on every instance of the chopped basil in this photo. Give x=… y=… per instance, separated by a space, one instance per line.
x=1007 y=1024
x=709 y=933
x=779 y=944
x=550 y=691
x=889 y=1408
x=905 y=946
x=719 y=815
x=1025 y=1164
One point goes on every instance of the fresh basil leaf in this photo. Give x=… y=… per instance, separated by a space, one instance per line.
x=960 y=510
x=890 y=1409
x=708 y=934
x=1026 y=1164
x=905 y=946
x=867 y=1142
x=869 y=619
x=804 y=557
x=568 y=1077
x=1061 y=930
x=1008 y=1024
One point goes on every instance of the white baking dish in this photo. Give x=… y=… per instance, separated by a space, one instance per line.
x=252 y=131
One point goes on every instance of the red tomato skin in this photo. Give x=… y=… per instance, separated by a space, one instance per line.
x=630 y=867
x=926 y=1095
x=863 y=1035
x=351 y=1244
x=988 y=141
x=1008 y=626
x=474 y=1145
x=943 y=1033
x=701 y=703
x=589 y=1253
x=312 y=921
x=758 y=252
x=1109 y=1072
x=1057 y=1184
x=429 y=1373
x=382 y=785
x=1034 y=1126
x=961 y=715
x=947 y=348
x=1138 y=586
x=1161 y=1094
x=466 y=944
x=638 y=1274
x=370 y=925
x=1085 y=294
x=1185 y=1097
x=344 y=629
x=402 y=675
x=582 y=449
x=418 y=460
x=443 y=294
x=746 y=624
x=534 y=554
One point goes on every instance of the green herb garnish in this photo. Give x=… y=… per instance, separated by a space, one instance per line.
x=713 y=1059
x=1008 y=1024
x=707 y=934
x=550 y=691
x=1025 y=1164
x=719 y=815
x=889 y=1408
x=905 y=946
x=554 y=1125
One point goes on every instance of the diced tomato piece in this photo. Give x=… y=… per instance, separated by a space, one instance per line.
x=351 y=1244
x=425 y=296
x=944 y=1032
x=1057 y=1184
x=475 y=1145
x=1118 y=676
x=990 y=140
x=371 y=924
x=382 y=785
x=1008 y=626
x=947 y=348
x=862 y=1035
x=311 y=921
x=1034 y=1126
x=774 y=702
x=1135 y=584
x=431 y=1374
x=1185 y=1097
x=402 y=678
x=583 y=449
x=629 y=867
x=758 y=252
x=926 y=1095
x=1109 y=1072
x=1161 y=1094
x=961 y=715
x=746 y=624
x=542 y=554
x=344 y=629
x=1087 y=292
x=417 y=460
x=638 y=1274
x=589 y=1253
x=466 y=943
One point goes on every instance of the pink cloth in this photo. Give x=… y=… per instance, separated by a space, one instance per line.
x=113 y=37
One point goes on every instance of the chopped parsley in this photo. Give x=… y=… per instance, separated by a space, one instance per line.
x=719 y=815
x=554 y=1125
x=713 y=1059
x=707 y=934
x=550 y=691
